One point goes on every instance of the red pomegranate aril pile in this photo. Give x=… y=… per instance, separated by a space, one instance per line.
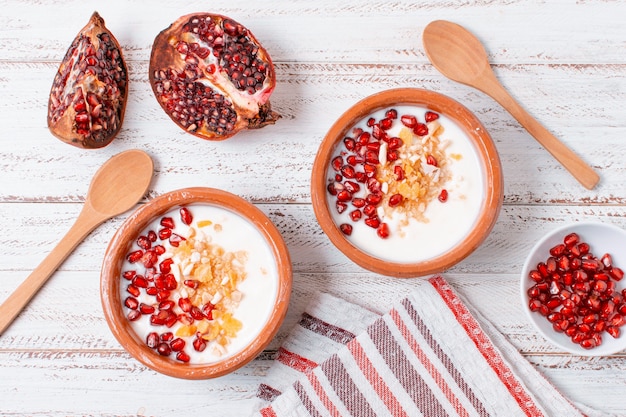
x=90 y=89
x=212 y=77
x=359 y=162
x=186 y=288
x=576 y=292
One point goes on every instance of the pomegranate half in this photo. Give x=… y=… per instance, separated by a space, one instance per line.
x=212 y=77
x=89 y=92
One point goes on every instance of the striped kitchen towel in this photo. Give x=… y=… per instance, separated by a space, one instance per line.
x=428 y=356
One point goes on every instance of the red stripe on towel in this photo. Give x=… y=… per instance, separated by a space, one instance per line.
x=268 y=412
x=377 y=382
x=295 y=361
x=482 y=342
x=321 y=393
x=430 y=367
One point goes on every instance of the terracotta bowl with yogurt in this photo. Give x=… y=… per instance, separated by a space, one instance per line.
x=407 y=183
x=196 y=283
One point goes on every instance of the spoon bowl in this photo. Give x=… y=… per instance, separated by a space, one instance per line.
x=115 y=188
x=460 y=56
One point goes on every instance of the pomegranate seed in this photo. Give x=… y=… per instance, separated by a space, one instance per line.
x=199 y=344
x=391 y=114
x=167 y=222
x=399 y=173
x=408 y=120
x=430 y=116
x=383 y=230
x=177 y=344
x=207 y=311
x=165 y=233
x=346 y=229
x=606 y=260
x=571 y=240
x=163 y=295
x=341 y=207
x=185 y=304
x=356 y=215
x=430 y=160
x=344 y=196
x=146 y=308
x=616 y=273
x=370 y=170
x=385 y=124
x=192 y=283
x=143 y=242
x=373 y=222
x=185 y=216
x=183 y=357
x=349 y=143
x=613 y=331
x=131 y=302
x=152 y=340
x=337 y=163
x=352 y=187
x=395 y=143
x=134 y=256
x=133 y=290
x=369 y=210
x=166 y=305
x=358 y=202
x=176 y=239
x=166 y=265
x=159 y=318
x=373 y=199
x=557 y=250
x=140 y=281
x=373 y=185
x=129 y=275
x=164 y=349
x=443 y=196
x=395 y=200
x=420 y=129
x=152 y=236
x=196 y=313
x=348 y=171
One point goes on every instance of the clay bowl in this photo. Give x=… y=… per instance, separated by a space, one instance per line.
x=602 y=238
x=418 y=261
x=265 y=294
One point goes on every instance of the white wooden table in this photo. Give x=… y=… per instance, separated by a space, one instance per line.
x=564 y=60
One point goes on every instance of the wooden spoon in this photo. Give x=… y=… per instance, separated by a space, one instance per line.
x=117 y=186
x=458 y=55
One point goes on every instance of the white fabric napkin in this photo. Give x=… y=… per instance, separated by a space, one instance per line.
x=428 y=356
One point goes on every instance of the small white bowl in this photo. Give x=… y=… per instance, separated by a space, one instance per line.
x=602 y=238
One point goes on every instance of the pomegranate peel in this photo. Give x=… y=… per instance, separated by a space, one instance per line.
x=88 y=96
x=212 y=76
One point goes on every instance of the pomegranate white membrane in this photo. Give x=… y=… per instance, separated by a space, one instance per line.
x=223 y=290
x=405 y=185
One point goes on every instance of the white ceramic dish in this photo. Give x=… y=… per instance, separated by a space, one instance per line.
x=602 y=238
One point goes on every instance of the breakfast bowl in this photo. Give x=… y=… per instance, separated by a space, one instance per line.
x=196 y=283
x=406 y=183
x=572 y=288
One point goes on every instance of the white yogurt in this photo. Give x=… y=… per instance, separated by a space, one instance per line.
x=447 y=223
x=259 y=289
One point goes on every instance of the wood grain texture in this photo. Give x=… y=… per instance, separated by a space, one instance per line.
x=563 y=61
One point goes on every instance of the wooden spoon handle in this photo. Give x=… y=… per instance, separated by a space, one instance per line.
x=572 y=162
x=16 y=302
